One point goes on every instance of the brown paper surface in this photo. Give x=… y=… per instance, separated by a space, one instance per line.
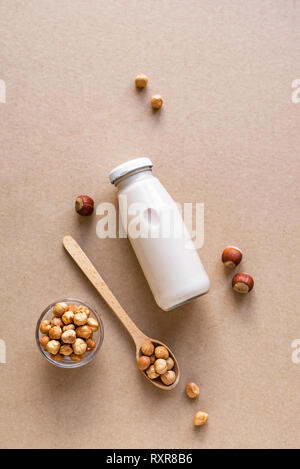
x=227 y=136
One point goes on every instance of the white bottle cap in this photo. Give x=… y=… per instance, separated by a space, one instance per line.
x=128 y=167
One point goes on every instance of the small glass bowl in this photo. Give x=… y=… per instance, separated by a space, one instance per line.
x=97 y=336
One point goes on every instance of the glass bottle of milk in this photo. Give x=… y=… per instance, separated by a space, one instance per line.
x=154 y=225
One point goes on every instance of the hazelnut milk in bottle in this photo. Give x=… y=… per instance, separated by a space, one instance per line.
x=154 y=225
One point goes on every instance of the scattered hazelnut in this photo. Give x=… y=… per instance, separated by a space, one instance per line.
x=76 y=358
x=147 y=348
x=44 y=341
x=91 y=344
x=152 y=359
x=53 y=347
x=161 y=352
x=200 y=418
x=242 y=283
x=58 y=357
x=69 y=327
x=84 y=332
x=151 y=372
x=231 y=257
x=55 y=332
x=141 y=81
x=168 y=378
x=84 y=309
x=57 y=322
x=84 y=205
x=59 y=309
x=68 y=317
x=156 y=101
x=93 y=324
x=79 y=347
x=143 y=362
x=66 y=350
x=160 y=366
x=170 y=363
x=68 y=337
x=80 y=319
x=192 y=390
x=45 y=326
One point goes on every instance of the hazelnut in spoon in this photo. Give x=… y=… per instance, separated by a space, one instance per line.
x=160 y=367
x=167 y=378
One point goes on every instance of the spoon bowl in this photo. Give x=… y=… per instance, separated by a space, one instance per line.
x=157 y=382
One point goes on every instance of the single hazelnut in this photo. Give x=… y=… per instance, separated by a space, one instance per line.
x=79 y=347
x=68 y=317
x=242 y=283
x=160 y=366
x=80 y=319
x=156 y=101
x=91 y=344
x=141 y=81
x=93 y=324
x=152 y=359
x=147 y=348
x=45 y=326
x=168 y=378
x=200 y=418
x=151 y=372
x=44 y=341
x=84 y=205
x=55 y=332
x=59 y=309
x=76 y=358
x=69 y=327
x=231 y=257
x=73 y=308
x=68 y=337
x=161 y=352
x=143 y=362
x=66 y=350
x=57 y=322
x=53 y=347
x=84 y=309
x=192 y=390
x=84 y=332
x=58 y=357
x=170 y=363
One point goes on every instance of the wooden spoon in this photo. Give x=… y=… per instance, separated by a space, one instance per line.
x=136 y=334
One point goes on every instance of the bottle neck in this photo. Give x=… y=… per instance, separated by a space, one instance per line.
x=132 y=177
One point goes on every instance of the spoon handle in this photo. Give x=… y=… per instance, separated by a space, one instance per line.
x=95 y=278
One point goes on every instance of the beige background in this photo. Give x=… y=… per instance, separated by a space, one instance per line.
x=227 y=136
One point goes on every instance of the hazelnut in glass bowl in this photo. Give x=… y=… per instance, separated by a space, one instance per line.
x=69 y=333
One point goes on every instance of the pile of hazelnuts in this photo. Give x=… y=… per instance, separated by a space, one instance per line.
x=157 y=363
x=241 y=282
x=69 y=333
